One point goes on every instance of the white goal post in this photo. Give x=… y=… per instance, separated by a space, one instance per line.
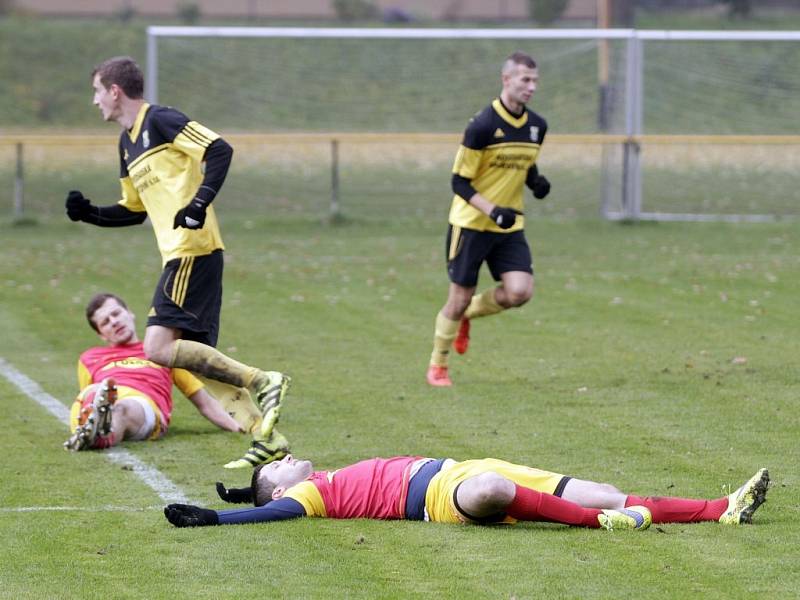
x=623 y=68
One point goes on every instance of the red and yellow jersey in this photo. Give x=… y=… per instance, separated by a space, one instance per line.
x=135 y=375
x=373 y=489
x=496 y=153
x=160 y=171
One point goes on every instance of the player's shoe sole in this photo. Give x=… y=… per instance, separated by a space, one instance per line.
x=745 y=501
x=461 y=343
x=633 y=517
x=262 y=452
x=438 y=377
x=269 y=399
x=95 y=419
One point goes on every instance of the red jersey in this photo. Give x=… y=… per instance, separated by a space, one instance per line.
x=376 y=488
x=129 y=368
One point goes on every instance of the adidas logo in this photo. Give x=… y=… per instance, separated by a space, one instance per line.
x=498 y=133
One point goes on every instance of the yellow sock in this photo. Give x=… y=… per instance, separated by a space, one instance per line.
x=443 y=337
x=210 y=362
x=483 y=305
x=236 y=401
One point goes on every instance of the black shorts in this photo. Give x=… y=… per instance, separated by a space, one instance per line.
x=189 y=297
x=467 y=249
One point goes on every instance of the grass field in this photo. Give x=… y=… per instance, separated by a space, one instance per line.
x=659 y=358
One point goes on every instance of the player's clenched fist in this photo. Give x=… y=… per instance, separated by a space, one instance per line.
x=186 y=515
x=191 y=216
x=504 y=217
x=77 y=206
x=541 y=187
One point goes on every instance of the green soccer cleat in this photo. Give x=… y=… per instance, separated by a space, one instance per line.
x=95 y=418
x=745 y=501
x=262 y=452
x=633 y=517
x=269 y=397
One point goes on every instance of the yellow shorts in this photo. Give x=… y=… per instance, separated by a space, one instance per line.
x=439 y=503
x=159 y=427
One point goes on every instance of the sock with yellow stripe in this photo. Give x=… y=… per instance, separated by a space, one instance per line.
x=483 y=305
x=210 y=362
x=443 y=337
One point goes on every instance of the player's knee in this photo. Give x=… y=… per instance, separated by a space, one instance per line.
x=518 y=297
x=494 y=490
x=156 y=352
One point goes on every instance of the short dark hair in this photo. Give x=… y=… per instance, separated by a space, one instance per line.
x=96 y=302
x=123 y=71
x=520 y=58
x=262 y=489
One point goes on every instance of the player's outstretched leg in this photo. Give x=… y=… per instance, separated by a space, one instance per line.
x=461 y=343
x=633 y=517
x=745 y=501
x=94 y=421
x=262 y=451
x=437 y=376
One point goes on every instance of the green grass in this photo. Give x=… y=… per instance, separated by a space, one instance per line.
x=621 y=369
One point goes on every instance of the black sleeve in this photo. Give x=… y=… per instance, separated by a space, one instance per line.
x=115 y=215
x=533 y=173
x=463 y=187
x=218 y=158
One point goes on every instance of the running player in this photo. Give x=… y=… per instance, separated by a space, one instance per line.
x=162 y=155
x=496 y=160
x=473 y=491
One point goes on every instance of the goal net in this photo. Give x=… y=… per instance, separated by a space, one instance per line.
x=642 y=124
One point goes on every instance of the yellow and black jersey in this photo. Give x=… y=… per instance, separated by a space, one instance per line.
x=496 y=153
x=160 y=171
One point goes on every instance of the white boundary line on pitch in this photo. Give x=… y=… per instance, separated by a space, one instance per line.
x=24 y=509
x=152 y=477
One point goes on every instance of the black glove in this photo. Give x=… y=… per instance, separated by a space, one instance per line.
x=541 y=187
x=235 y=495
x=78 y=207
x=191 y=216
x=186 y=515
x=504 y=217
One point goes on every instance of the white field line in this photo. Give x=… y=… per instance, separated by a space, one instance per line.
x=152 y=477
x=108 y=508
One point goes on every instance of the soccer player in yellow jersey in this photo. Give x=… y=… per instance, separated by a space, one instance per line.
x=161 y=153
x=496 y=160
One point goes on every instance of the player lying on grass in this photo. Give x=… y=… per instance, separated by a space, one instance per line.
x=124 y=396
x=442 y=490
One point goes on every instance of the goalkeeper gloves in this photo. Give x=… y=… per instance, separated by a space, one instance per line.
x=541 y=187
x=186 y=515
x=504 y=217
x=78 y=207
x=191 y=216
